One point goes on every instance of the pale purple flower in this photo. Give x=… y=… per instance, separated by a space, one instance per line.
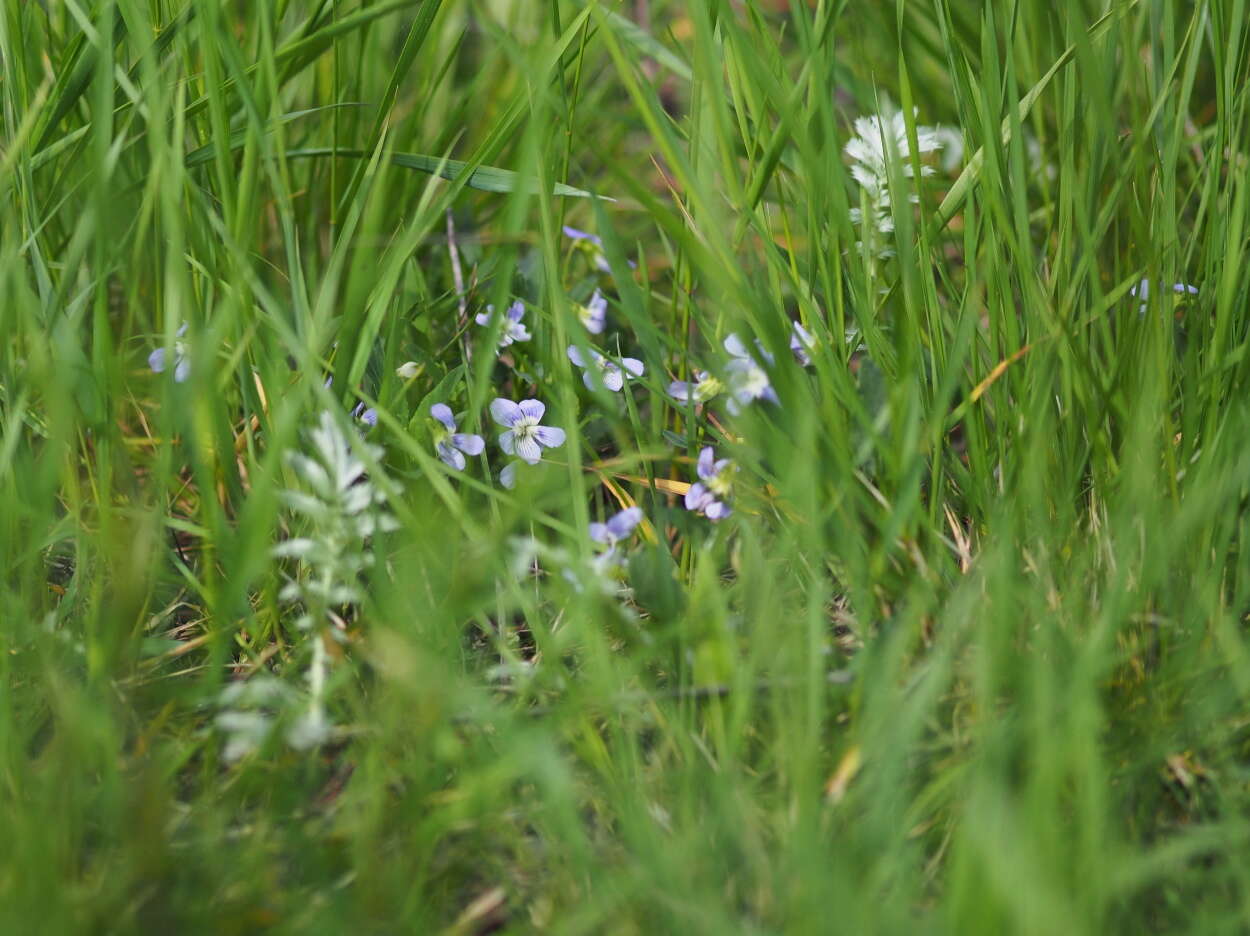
x=1142 y=291
x=600 y=370
x=802 y=343
x=592 y=244
x=594 y=314
x=707 y=496
x=701 y=389
x=182 y=364
x=748 y=381
x=525 y=437
x=367 y=416
x=617 y=528
x=513 y=328
x=451 y=445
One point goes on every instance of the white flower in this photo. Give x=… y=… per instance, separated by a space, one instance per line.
x=747 y=379
x=408 y=370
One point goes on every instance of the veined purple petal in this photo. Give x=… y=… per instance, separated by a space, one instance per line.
x=550 y=436
x=534 y=409
x=442 y=412
x=612 y=378
x=505 y=412
x=516 y=311
x=528 y=449
x=156 y=360
x=624 y=522
x=450 y=456
x=507 y=442
x=468 y=443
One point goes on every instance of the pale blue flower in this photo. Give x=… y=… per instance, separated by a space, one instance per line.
x=1142 y=291
x=182 y=364
x=525 y=437
x=802 y=343
x=513 y=328
x=618 y=527
x=594 y=314
x=603 y=371
x=748 y=380
x=700 y=390
x=707 y=496
x=451 y=445
x=367 y=416
x=593 y=245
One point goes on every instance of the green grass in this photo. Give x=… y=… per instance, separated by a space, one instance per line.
x=969 y=656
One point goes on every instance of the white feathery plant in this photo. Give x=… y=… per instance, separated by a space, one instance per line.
x=879 y=139
x=342 y=509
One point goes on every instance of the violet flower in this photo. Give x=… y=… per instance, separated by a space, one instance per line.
x=525 y=437
x=594 y=314
x=513 y=328
x=451 y=445
x=700 y=390
x=182 y=364
x=605 y=372
x=707 y=496
x=748 y=381
x=617 y=528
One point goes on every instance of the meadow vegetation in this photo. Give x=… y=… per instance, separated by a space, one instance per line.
x=624 y=467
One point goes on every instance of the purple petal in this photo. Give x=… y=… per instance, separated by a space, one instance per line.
x=575 y=234
x=550 y=436
x=576 y=357
x=505 y=412
x=634 y=366
x=706 y=465
x=528 y=449
x=450 y=456
x=442 y=412
x=182 y=370
x=697 y=496
x=507 y=477
x=369 y=417
x=516 y=311
x=533 y=409
x=156 y=360
x=624 y=522
x=588 y=378
x=716 y=511
x=613 y=379
x=182 y=330
x=483 y=318
x=599 y=533
x=507 y=442
x=468 y=443
x=734 y=345
x=679 y=390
